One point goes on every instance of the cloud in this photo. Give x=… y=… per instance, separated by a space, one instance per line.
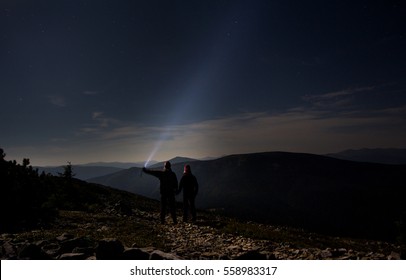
x=57 y=100
x=338 y=99
x=102 y=121
x=96 y=115
x=340 y=93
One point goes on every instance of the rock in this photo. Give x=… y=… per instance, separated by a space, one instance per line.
x=8 y=250
x=341 y=251
x=403 y=253
x=88 y=251
x=209 y=255
x=348 y=257
x=32 y=252
x=65 y=236
x=73 y=256
x=233 y=247
x=51 y=249
x=326 y=254
x=252 y=255
x=123 y=208
x=135 y=254
x=223 y=257
x=394 y=256
x=146 y=249
x=68 y=245
x=109 y=249
x=271 y=257
x=42 y=243
x=103 y=228
x=159 y=255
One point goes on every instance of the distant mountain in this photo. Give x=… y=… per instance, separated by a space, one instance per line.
x=387 y=156
x=121 y=165
x=208 y=158
x=82 y=172
x=311 y=191
x=175 y=160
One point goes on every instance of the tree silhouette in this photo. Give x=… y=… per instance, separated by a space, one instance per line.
x=2 y=154
x=68 y=171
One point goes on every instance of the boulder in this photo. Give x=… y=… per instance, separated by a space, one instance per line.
x=252 y=255
x=394 y=256
x=109 y=249
x=88 y=251
x=325 y=254
x=51 y=249
x=65 y=236
x=135 y=254
x=8 y=250
x=31 y=251
x=123 y=208
x=68 y=245
x=159 y=255
x=73 y=256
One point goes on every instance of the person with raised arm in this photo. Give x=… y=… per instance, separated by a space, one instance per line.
x=168 y=189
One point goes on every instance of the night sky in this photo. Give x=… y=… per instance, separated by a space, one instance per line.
x=86 y=81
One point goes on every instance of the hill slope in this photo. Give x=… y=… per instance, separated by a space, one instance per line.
x=81 y=172
x=386 y=156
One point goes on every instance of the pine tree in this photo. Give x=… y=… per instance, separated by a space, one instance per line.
x=68 y=171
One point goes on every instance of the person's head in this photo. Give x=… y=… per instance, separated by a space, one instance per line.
x=187 y=169
x=167 y=165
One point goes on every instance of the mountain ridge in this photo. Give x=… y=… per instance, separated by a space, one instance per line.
x=175 y=160
x=83 y=172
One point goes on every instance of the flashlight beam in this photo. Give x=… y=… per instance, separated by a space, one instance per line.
x=153 y=152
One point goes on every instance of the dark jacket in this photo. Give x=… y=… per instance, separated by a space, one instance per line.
x=168 y=180
x=189 y=185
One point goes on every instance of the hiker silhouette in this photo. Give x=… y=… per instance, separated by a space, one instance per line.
x=188 y=183
x=168 y=188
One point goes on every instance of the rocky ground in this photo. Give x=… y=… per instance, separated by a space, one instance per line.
x=118 y=233
x=194 y=241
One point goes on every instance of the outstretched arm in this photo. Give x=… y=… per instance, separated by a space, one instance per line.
x=155 y=173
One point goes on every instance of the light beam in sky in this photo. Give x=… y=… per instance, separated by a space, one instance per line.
x=194 y=93
x=157 y=146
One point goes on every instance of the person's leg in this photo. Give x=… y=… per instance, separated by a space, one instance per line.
x=172 y=206
x=185 y=208
x=163 y=208
x=193 y=208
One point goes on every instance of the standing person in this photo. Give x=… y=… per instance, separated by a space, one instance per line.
x=190 y=188
x=168 y=188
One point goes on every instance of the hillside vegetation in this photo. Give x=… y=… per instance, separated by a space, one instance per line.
x=30 y=199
